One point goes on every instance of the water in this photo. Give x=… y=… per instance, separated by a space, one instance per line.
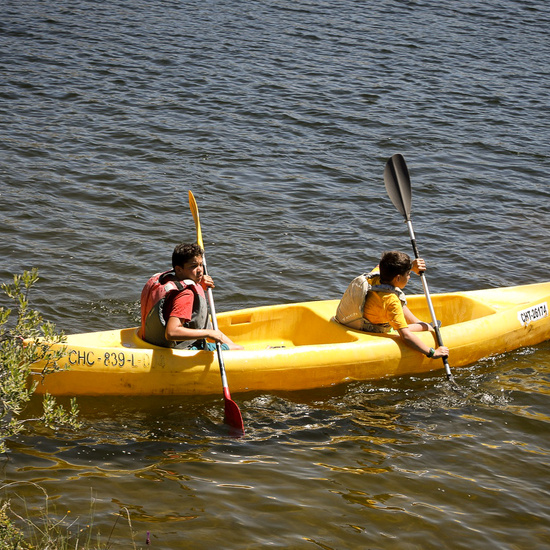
x=280 y=116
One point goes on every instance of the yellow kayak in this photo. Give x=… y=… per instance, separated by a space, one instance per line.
x=298 y=346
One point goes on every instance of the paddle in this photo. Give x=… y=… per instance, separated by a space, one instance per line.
x=232 y=413
x=398 y=186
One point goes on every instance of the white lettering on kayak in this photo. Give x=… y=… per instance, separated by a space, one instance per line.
x=533 y=313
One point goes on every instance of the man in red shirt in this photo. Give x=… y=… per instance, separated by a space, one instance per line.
x=174 y=310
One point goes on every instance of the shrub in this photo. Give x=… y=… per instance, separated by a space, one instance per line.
x=24 y=341
x=11 y=537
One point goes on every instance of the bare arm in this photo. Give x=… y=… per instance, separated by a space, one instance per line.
x=410 y=317
x=177 y=331
x=415 y=343
x=415 y=324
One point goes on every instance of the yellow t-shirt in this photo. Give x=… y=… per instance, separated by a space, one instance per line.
x=384 y=307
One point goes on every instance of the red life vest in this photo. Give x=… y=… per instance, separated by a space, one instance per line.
x=153 y=297
x=154 y=291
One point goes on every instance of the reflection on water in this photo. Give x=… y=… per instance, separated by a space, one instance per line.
x=280 y=116
x=406 y=456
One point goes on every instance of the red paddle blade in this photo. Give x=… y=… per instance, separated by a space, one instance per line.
x=233 y=417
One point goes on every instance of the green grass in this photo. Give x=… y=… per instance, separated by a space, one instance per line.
x=51 y=530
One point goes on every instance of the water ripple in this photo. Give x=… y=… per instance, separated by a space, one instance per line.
x=280 y=116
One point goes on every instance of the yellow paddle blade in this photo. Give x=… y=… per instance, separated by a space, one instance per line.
x=195 y=211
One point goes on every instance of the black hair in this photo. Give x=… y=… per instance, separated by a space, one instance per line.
x=185 y=252
x=394 y=263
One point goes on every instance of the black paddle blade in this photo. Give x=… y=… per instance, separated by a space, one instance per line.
x=398 y=184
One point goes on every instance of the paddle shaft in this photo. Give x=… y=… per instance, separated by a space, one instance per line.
x=233 y=415
x=429 y=299
x=221 y=362
x=398 y=186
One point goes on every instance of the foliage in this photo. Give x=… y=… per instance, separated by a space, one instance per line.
x=58 y=531
x=25 y=341
x=11 y=538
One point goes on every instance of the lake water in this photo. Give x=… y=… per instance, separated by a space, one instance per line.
x=280 y=116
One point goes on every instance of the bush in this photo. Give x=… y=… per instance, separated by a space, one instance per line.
x=11 y=538
x=54 y=531
x=24 y=341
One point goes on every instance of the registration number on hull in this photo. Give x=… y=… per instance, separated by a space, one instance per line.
x=533 y=313
x=108 y=359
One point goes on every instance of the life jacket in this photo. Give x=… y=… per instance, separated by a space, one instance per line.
x=154 y=296
x=350 y=309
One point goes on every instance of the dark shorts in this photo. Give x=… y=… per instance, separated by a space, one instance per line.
x=210 y=346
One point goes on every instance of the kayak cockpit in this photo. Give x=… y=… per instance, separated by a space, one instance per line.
x=311 y=324
x=450 y=309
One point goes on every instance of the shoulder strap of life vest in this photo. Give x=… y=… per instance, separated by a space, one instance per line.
x=156 y=288
x=350 y=309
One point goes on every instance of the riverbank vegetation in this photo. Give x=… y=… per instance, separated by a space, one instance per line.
x=25 y=339
x=54 y=529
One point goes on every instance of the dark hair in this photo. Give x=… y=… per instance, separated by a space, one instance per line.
x=185 y=252
x=392 y=264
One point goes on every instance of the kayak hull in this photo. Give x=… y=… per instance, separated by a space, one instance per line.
x=299 y=346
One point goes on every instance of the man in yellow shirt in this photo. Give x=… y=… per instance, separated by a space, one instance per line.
x=386 y=306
